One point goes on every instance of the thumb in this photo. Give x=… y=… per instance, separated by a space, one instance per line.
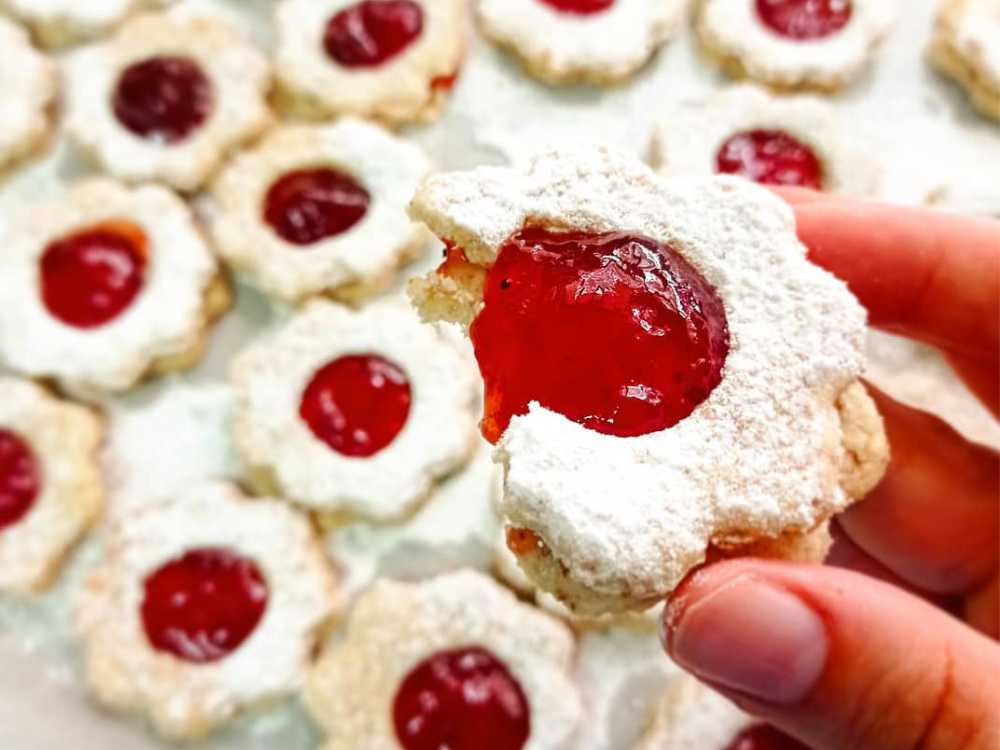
x=836 y=659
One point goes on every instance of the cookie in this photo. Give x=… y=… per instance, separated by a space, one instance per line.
x=966 y=47
x=320 y=210
x=694 y=381
x=51 y=488
x=106 y=285
x=57 y=23
x=30 y=94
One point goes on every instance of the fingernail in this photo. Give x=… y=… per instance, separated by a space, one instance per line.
x=752 y=637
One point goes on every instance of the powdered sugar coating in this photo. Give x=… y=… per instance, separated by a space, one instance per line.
x=763 y=456
x=187 y=700
x=686 y=142
x=693 y=717
x=437 y=437
x=239 y=74
x=601 y=48
x=351 y=265
x=732 y=30
x=29 y=91
x=60 y=22
x=165 y=321
x=395 y=626
x=399 y=90
x=966 y=46
x=65 y=440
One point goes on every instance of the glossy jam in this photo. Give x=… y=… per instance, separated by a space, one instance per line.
x=357 y=404
x=310 y=205
x=616 y=332
x=20 y=478
x=201 y=606
x=770 y=157
x=371 y=32
x=465 y=699
x=764 y=737
x=580 y=7
x=805 y=20
x=163 y=99
x=90 y=277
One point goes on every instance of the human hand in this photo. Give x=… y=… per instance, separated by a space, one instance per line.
x=901 y=655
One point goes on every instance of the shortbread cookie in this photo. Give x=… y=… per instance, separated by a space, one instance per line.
x=453 y=662
x=30 y=91
x=57 y=23
x=166 y=97
x=106 y=285
x=354 y=412
x=795 y=44
x=602 y=42
x=50 y=482
x=206 y=604
x=389 y=60
x=455 y=529
x=315 y=210
x=693 y=717
x=694 y=382
x=966 y=47
x=791 y=140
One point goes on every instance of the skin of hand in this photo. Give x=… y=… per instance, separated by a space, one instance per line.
x=892 y=645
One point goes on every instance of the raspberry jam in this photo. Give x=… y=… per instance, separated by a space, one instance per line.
x=770 y=157
x=201 y=606
x=357 y=404
x=310 y=205
x=580 y=7
x=764 y=737
x=163 y=99
x=20 y=478
x=805 y=20
x=622 y=334
x=371 y=32
x=90 y=277
x=464 y=699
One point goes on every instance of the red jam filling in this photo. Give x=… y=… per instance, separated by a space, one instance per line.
x=88 y=278
x=614 y=331
x=20 y=478
x=580 y=7
x=310 y=205
x=163 y=99
x=201 y=606
x=764 y=737
x=371 y=32
x=357 y=404
x=464 y=699
x=805 y=20
x=770 y=157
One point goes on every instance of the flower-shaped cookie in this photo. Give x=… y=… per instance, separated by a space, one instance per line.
x=357 y=412
x=166 y=97
x=50 y=481
x=61 y=22
x=453 y=662
x=570 y=41
x=30 y=90
x=966 y=47
x=320 y=210
x=390 y=60
x=791 y=140
x=207 y=603
x=106 y=285
x=793 y=44
x=693 y=381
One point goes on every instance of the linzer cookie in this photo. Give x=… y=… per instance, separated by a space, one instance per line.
x=966 y=47
x=29 y=93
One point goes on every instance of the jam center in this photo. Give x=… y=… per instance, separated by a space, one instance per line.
x=804 y=20
x=622 y=334
x=371 y=32
x=580 y=7
x=88 y=278
x=770 y=157
x=201 y=606
x=163 y=99
x=20 y=478
x=310 y=205
x=465 y=699
x=764 y=737
x=357 y=404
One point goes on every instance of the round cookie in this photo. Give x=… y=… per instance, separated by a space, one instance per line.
x=29 y=96
x=57 y=23
x=966 y=47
